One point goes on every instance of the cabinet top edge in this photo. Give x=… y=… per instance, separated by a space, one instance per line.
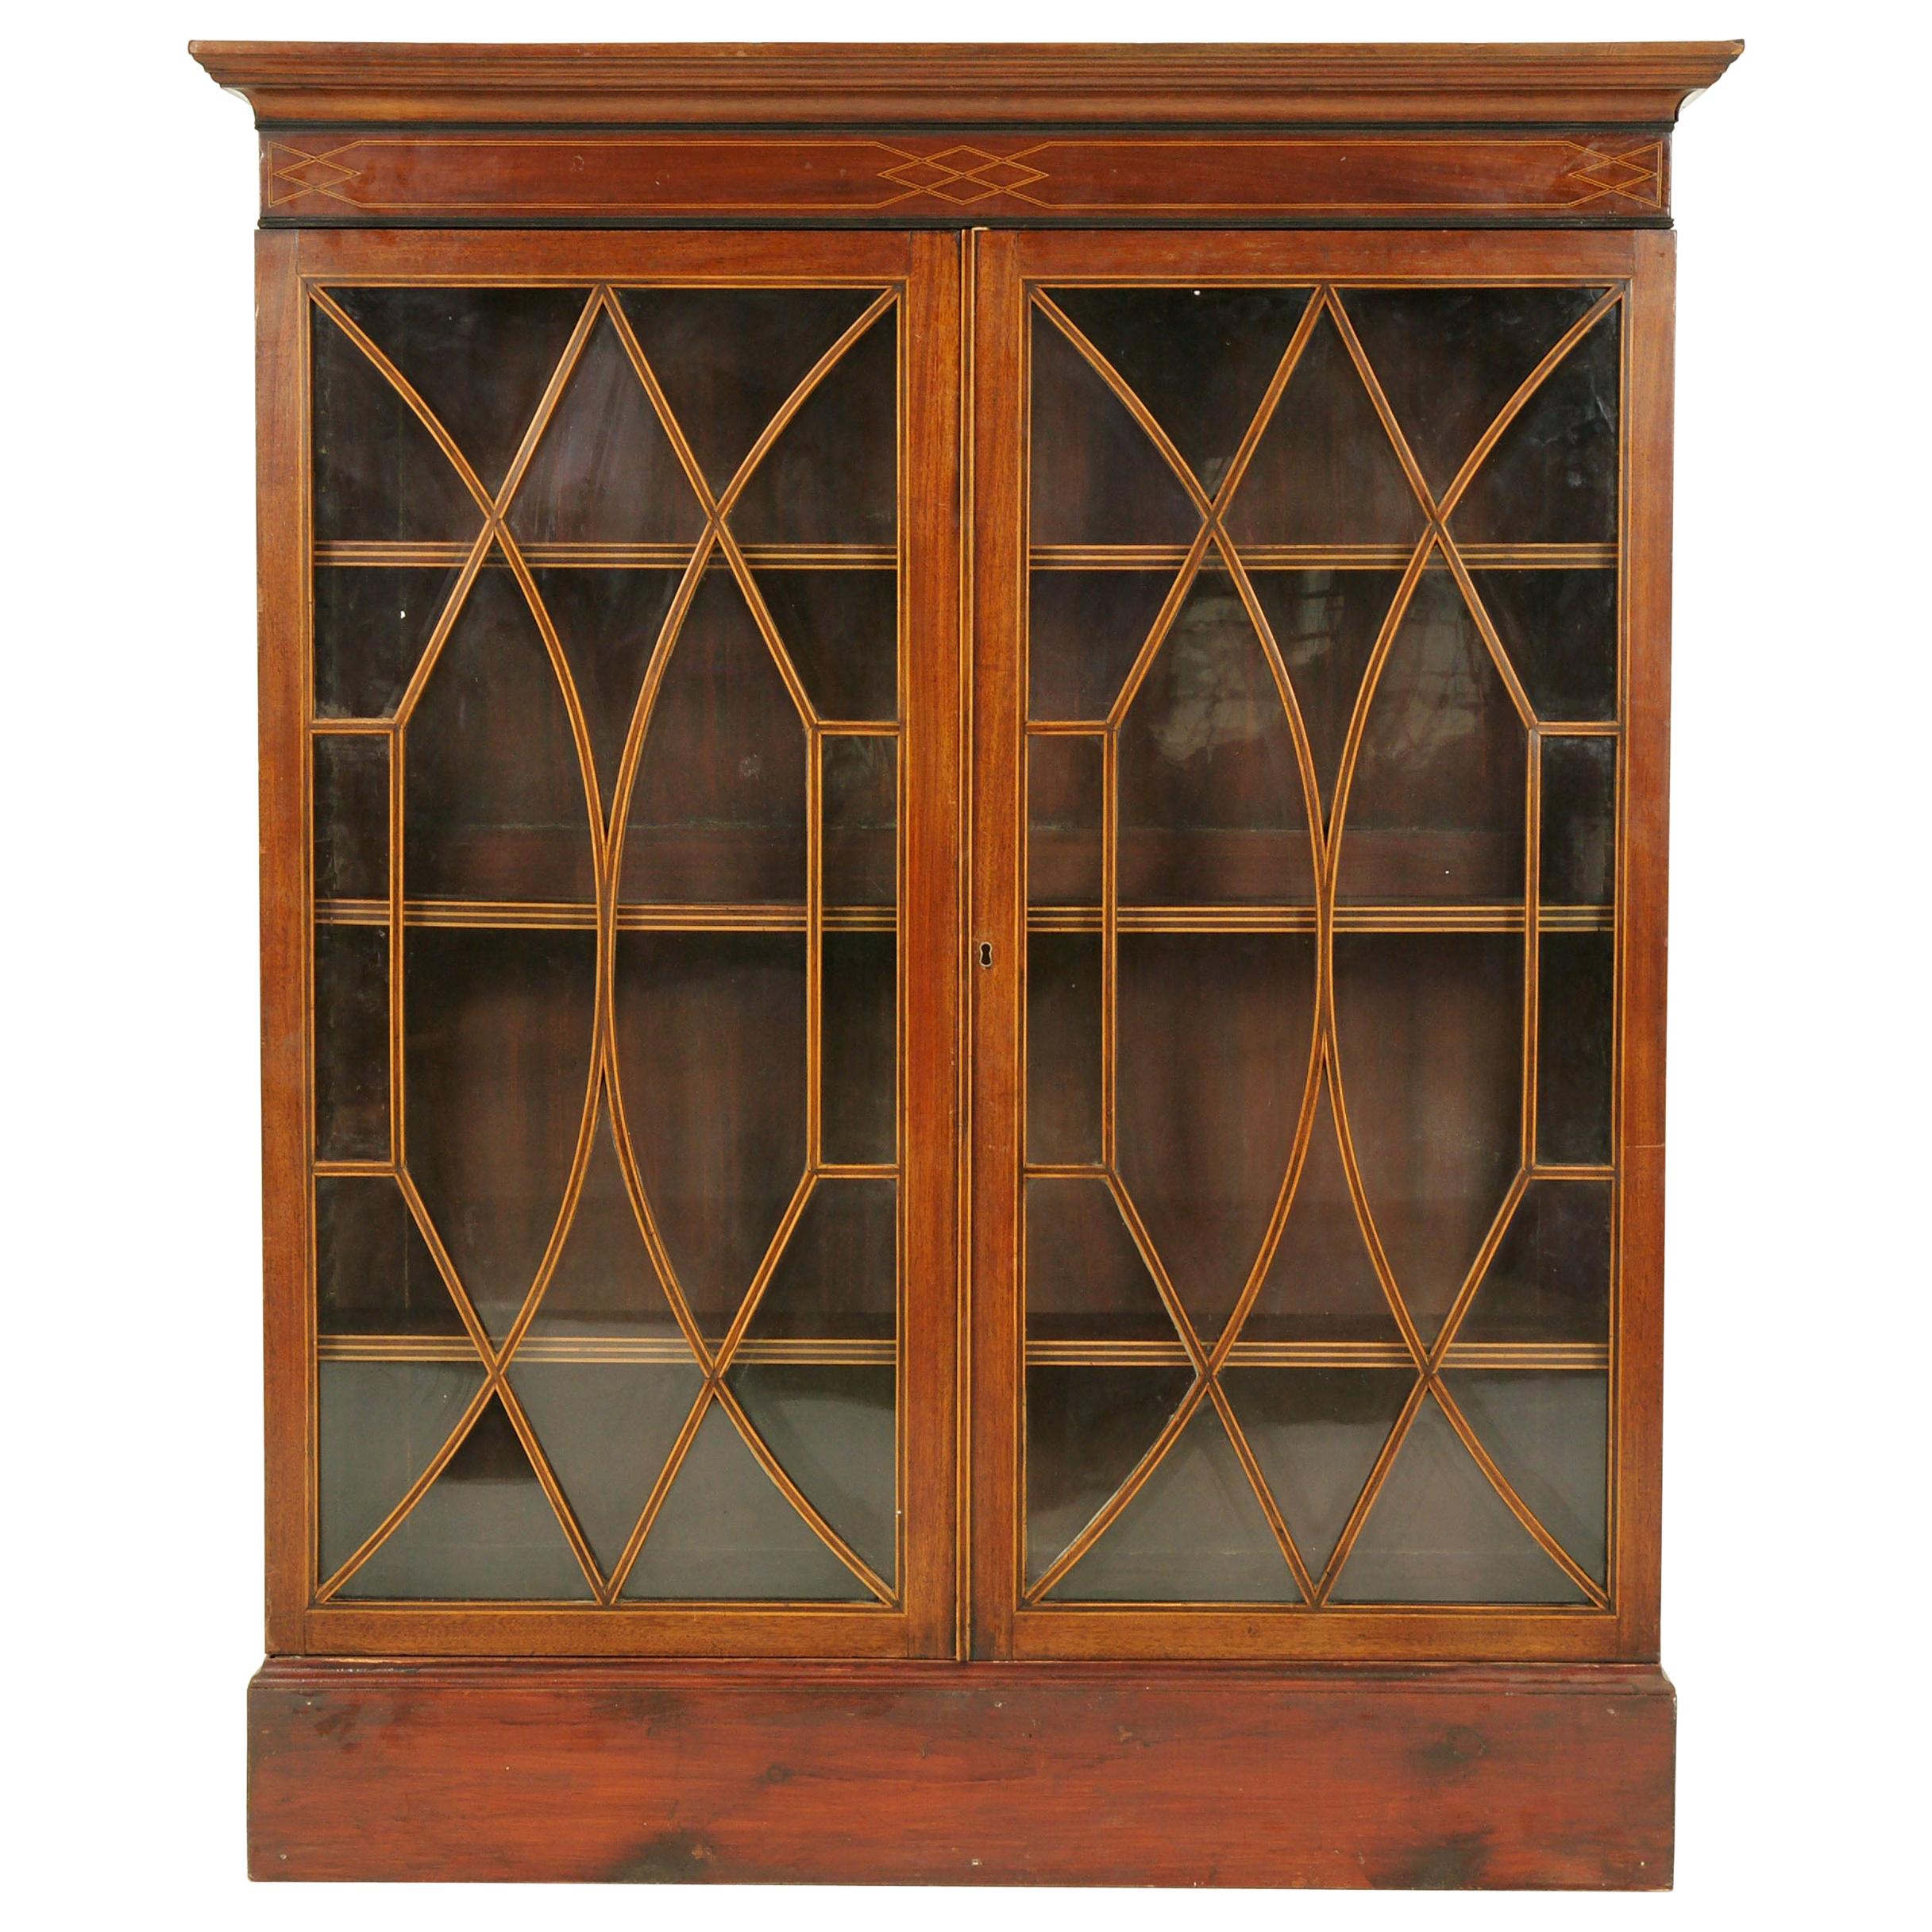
x=822 y=84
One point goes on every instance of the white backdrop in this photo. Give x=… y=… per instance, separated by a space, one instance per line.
x=1795 y=1510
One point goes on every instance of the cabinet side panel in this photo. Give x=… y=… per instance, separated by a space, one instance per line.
x=1644 y=864
x=281 y=515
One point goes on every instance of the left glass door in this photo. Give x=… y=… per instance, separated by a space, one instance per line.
x=626 y=701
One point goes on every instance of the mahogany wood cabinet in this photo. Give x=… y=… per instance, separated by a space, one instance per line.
x=963 y=779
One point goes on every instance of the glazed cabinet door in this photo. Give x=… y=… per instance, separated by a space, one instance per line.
x=1318 y=792
x=609 y=699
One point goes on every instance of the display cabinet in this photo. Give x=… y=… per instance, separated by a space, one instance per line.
x=963 y=787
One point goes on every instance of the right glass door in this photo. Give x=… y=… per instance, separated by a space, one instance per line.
x=1298 y=1266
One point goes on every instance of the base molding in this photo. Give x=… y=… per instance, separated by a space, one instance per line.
x=916 y=1773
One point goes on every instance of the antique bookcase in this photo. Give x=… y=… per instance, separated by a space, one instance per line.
x=963 y=847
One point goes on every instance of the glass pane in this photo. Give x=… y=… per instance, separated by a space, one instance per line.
x=1579 y=820
x=1552 y=477
x=837 y=1281
x=604 y=1282
x=858 y=1032
x=1195 y=1533
x=1549 y=1280
x=1438 y=806
x=1086 y=1428
x=860 y=777
x=1547 y=1433
x=1575 y=1041
x=352 y=1043
x=484 y=1530
x=1086 y=1280
x=711 y=1050
x=1199 y=359
x=1063 y=1048
x=1097 y=475
x=1085 y=628
x=1064 y=782
x=1449 y=359
x=1317 y=1433
x=372 y=626
x=380 y=1425
x=1325 y=623
x=1559 y=629
x=832 y=1428
x=351 y=817
x=493 y=803
x=374 y=1273
x=725 y=1530
x=718 y=816
x=605 y=471
x=832 y=477
x=1429 y=1034
x=1438 y=1532
x=1322 y=1285
x=608 y=1427
x=1324 y=472
x=729 y=357
x=380 y=475
x=1211 y=809
x=480 y=358
x=1208 y=1110
x=608 y=625
x=497 y=1055
x=841 y=628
